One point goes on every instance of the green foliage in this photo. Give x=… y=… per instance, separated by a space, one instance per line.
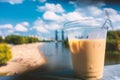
x=113 y=41
x=32 y=39
x=66 y=44
x=1 y=40
x=113 y=52
x=111 y=45
x=5 y=53
x=113 y=34
x=16 y=39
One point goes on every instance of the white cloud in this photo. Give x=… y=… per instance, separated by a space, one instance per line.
x=51 y=7
x=6 y=29
x=25 y=23
x=113 y=14
x=111 y=11
x=95 y=11
x=91 y=11
x=41 y=29
x=71 y=2
x=6 y=26
x=71 y=16
x=22 y=27
x=53 y=26
x=10 y=31
x=45 y=27
x=115 y=18
x=40 y=26
x=49 y=15
x=12 y=1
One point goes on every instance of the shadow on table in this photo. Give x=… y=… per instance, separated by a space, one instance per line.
x=39 y=74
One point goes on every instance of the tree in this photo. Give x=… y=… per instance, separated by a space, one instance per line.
x=1 y=39
x=17 y=39
x=32 y=39
x=5 y=53
x=113 y=40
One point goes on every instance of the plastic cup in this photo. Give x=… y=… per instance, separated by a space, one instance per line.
x=87 y=42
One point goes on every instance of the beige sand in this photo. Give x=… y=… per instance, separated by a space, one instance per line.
x=88 y=57
x=25 y=57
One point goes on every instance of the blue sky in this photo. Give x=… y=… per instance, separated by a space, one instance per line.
x=43 y=17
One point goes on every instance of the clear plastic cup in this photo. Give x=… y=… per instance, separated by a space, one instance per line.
x=87 y=42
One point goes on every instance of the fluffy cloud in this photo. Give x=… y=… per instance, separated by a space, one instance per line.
x=22 y=27
x=95 y=11
x=113 y=14
x=10 y=31
x=6 y=29
x=115 y=18
x=12 y=1
x=49 y=15
x=53 y=26
x=89 y=12
x=25 y=23
x=71 y=2
x=111 y=11
x=71 y=16
x=45 y=27
x=6 y=26
x=51 y=7
x=40 y=26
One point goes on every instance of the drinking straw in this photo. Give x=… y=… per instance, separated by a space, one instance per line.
x=108 y=20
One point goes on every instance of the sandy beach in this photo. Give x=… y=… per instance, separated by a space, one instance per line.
x=26 y=57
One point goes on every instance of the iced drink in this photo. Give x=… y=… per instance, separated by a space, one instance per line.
x=87 y=41
x=88 y=57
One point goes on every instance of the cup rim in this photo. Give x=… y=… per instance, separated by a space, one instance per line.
x=67 y=26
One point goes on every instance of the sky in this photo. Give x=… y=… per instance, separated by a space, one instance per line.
x=43 y=17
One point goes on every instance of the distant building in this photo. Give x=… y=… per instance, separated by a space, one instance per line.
x=59 y=35
x=62 y=34
x=56 y=35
